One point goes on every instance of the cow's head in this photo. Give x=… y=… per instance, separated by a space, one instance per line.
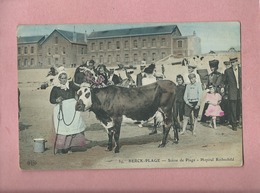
x=84 y=99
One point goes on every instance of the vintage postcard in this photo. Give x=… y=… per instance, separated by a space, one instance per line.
x=134 y=95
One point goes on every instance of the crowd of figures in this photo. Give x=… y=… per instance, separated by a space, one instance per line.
x=216 y=100
x=219 y=98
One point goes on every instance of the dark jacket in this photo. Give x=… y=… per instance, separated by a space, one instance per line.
x=231 y=83
x=139 y=79
x=216 y=79
x=57 y=92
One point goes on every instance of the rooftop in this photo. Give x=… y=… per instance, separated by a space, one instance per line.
x=142 y=31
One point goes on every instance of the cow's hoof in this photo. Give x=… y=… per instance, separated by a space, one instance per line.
x=116 y=150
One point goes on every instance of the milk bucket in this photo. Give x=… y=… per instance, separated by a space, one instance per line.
x=39 y=145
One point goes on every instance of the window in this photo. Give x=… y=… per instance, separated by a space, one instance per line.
x=19 y=50
x=64 y=50
x=144 y=56
x=82 y=50
x=179 y=44
x=32 y=49
x=126 y=58
x=153 y=43
x=135 y=44
x=101 y=59
x=25 y=62
x=135 y=57
x=25 y=50
x=32 y=62
x=163 y=42
x=109 y=59
x=126 y=44
x=153 y=56
x=117 y=45
x=163 y=55
x=56 y=51
x=19 y=62
x=56 y=40
x=109 y=45
x=118 y=58
x=144 y=43
x=56 y=61
x=101 y=46
x=93 y=46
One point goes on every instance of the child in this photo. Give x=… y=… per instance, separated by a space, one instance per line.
x=179 y=97
x=213 y=110
x=192 y=98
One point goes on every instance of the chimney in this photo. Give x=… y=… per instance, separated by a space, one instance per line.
x=85 y=36
x=74 y=35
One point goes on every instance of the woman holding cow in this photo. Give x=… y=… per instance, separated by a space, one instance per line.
x=68 y=123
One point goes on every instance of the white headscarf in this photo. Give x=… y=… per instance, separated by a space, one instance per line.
x=57 y=82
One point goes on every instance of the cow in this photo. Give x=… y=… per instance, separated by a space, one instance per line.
x=138 y=103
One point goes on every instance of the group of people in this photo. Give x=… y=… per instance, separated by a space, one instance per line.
x=220 y=97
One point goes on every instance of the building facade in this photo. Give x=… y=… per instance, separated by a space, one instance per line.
x=123 y=46
x=132 y=46
x=28 y=49
x=60 y=48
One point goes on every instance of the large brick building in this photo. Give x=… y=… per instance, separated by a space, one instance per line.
x=59 y=48
x=112 y=47
x=131 y=46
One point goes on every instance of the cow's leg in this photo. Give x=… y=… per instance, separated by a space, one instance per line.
x=176 y=128
x=154 y=131
x=117 y=121
x=166 y=130
x=110 y=139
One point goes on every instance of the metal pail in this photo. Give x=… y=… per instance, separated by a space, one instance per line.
x=39 y=145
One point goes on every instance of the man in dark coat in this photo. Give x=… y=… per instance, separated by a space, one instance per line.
x=139 y=77
x=232 y=80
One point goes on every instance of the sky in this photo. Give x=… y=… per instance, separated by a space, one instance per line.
x=215 y=36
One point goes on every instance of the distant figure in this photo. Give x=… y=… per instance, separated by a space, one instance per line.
x=115 y=79
x=232 y=79
x=149 y=78
x=191 y=69
x=213 y=110
x=192 y=98
x=139 y=76
x=102 y=74
x=180 y=103
x=224 y=102
x=79 y=75
x=149 y=75
x=215 y=78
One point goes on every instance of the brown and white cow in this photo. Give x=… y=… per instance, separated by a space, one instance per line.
x=139 y=103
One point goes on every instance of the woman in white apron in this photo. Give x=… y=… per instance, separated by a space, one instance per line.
x=68 y=123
